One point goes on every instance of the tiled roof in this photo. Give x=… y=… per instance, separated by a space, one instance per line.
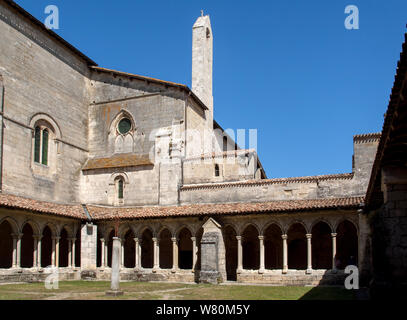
x=248 y=183
x=394 y=131
x=111 y=213
x=367 y=137
x=118 y=161
x=64 y=210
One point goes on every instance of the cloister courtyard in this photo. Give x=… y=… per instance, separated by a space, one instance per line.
x=95 y=290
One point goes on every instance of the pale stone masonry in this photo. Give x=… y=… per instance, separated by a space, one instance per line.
x=87 y=150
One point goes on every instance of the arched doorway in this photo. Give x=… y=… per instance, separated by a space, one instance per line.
x=346 y=244
x=109 y=245
x=147 y=249
x=185 y=249
x=251 y=248
x=231 y=253
x=297 y=247
x=321 y=246
x=165 y=249
x=63 y=249
x=46 y=247
x=6 y=247
x=27 y=247
x=273 y=247
x=129 y=250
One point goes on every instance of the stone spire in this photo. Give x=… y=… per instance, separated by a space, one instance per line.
x=202 y=58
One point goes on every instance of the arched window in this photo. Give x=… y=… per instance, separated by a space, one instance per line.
x=225 y=143
x=217 y=172
x=41 y=136
x=120 y=188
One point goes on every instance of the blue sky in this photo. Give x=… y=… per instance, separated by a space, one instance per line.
x=288 y=68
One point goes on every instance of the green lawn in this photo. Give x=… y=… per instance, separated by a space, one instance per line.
x=91 y=290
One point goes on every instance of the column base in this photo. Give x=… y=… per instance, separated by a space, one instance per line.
x=174 y=270
x=261 y=271
x=114 y=293
x=238 y=271
x=285 y=270
x=334 y=270
x=309 y=271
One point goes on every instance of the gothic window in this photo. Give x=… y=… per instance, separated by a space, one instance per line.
x=121 y=135
x=41 y=136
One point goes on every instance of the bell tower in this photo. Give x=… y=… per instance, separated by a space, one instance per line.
x=202 y=58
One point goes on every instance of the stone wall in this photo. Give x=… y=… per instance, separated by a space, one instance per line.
x=41 y=78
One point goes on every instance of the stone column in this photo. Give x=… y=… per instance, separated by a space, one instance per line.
x=194 y=253
x=261 y=244
x=14 y=264
x=115 y=277
x=70 y=253
x=333 y=252
x=239 y=254
x=174 y=255
x=309 y=253
x=38 y=257
x=35 y=264
x=57 y=251
x=102 y=251
x=285 y=255
x=122 y=241
x=73 y=252
x=156 y=260
x=137 y=254
x=19 y=250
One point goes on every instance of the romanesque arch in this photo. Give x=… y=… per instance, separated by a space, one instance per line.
x=251 y=248
x=273 y=247
x=46 y=247
x=147 y=249
x=6 y=247
x=166 y=252
x=297 y=246
x=321 y=246
x=27 y=247
x=229 y=237
x=129 y=250
x=346 y=244
x=185 y=249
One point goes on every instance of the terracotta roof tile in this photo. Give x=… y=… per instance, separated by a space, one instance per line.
x=110 y=213
x=118 y=161
x=65 y=210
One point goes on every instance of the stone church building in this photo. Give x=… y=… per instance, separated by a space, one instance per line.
x=87 y=153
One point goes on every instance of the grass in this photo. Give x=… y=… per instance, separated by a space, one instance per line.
x=95 y=290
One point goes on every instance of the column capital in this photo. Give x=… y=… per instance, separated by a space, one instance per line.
x=37 y=237
x=136 y=240
x=102 y=240
x=238 y=238
x=193 y=238
x=17 y=235
x=173 y=239
x=261 y=237
x=284 y=236
x=55 y=238
x=309 y=235
x=155 y=239
x=333 y=235
x=72 y=239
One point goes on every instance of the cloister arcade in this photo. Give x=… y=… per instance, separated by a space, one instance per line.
x=30 y=246
x=257 y=244
x=319 y=245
